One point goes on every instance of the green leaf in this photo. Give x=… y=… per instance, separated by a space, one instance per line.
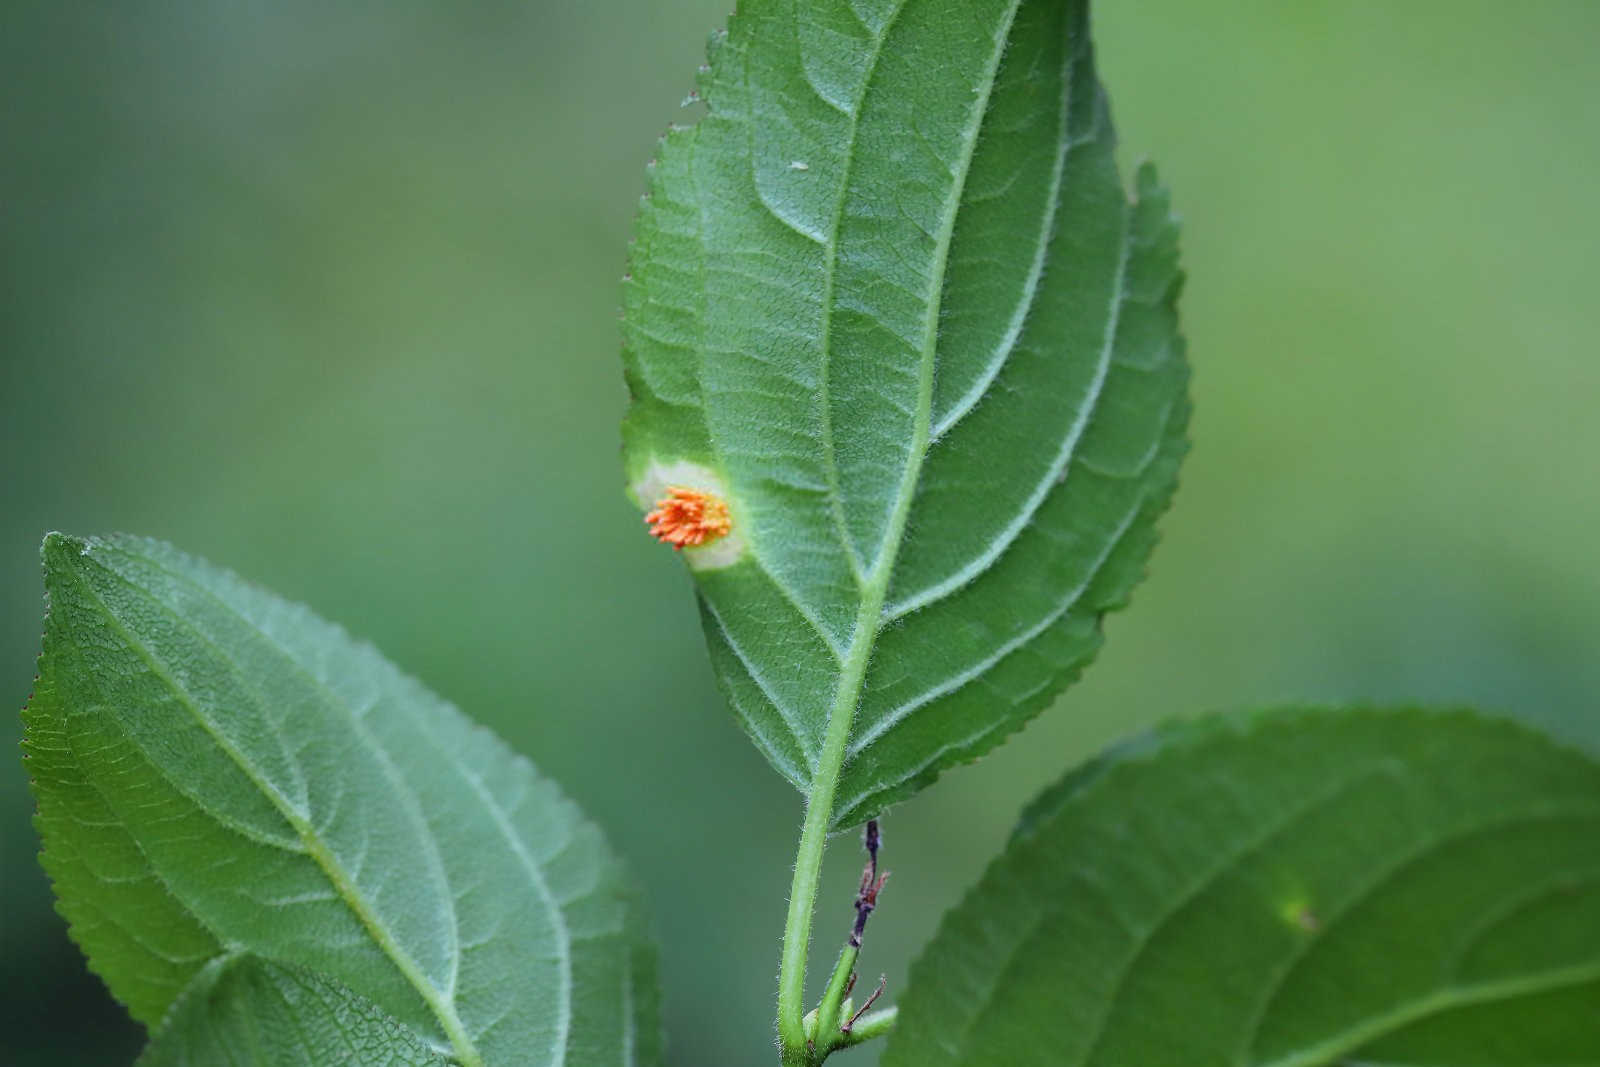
x=1284 y=890
x=890 y=300
x=221 y=772
x=246 y=1012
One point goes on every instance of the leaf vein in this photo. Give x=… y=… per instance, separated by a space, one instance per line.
x=785 y=714
x=1369 y=888
x=439 y=1002
x=1030 y=289
x=978 y=670
x=1227 y=859
x=1052 y=476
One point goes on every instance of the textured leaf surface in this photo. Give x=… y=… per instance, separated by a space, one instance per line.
x=891 y=300
x=1288 y=890
x=219 y=771
x=245 y=1012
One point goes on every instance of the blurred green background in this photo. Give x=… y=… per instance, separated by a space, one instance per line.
x=328 y=293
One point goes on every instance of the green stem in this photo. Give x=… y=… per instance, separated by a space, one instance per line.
x=814 y=833
x=828 y=1014
x=869 y=1026
x=797 y=930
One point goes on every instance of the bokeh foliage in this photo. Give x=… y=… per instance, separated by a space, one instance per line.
x=329 y=296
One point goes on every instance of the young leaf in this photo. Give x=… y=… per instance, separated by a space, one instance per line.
x=892 y=309
x=220 y=772
x=1285 y=890
x=246 y=1012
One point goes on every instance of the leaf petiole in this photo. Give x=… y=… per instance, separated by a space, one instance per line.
x=823 y=1032
x=867 y=1027
x=792 y=1039
x=829 y=1010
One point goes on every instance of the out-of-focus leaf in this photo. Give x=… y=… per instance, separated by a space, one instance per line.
x=221 y=772
x=1284 y=890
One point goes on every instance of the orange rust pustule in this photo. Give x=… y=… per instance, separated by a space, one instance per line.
x=689 y=517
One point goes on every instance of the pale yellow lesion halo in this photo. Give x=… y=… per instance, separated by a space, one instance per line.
x=688 y=506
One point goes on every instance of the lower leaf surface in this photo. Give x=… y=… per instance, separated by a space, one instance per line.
x=247 y=1012
x=1284 y=890
x=221 y=773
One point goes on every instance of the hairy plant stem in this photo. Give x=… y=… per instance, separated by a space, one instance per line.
x=874 y=1024
x=833 y=998
x=814 y=834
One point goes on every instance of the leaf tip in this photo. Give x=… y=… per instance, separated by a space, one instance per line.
x=59 y=548
x=62 y=556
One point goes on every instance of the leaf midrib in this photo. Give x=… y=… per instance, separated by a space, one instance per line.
x=443 y=1010
x=874 y=590
x=875 y=587
x=499 y=813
